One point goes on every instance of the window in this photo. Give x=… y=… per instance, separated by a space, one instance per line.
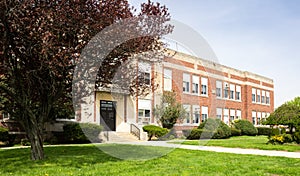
x=232 y=89
x=232 y=115
x=219 y=113
x=144 y=73
x=253 y=95
x=219 y=89
x=238 y=93
x=238 y=114
x=254 y=117
x=167 y=80
x=187 y=108
x=144 y=112
x=195 y=85
x=196 y=114
x=226 y=90
x=204 y=84
x=258 y=118
x=226 y=116
x=267 y=97
x=258 y=96
x=204 y=112
x=186 y=82
x=263 y=94
x=144 y=116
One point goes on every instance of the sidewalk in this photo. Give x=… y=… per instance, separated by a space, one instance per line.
x=217 y=149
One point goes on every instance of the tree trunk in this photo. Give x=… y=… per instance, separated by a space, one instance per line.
x=34 y=134
x=36 y=142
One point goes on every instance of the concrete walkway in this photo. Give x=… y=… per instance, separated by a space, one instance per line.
x=195 y=147
x=217 y=149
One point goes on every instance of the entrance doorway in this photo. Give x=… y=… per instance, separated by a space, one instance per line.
x=108 y=115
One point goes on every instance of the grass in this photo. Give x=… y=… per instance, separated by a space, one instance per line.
x=89 y=160
x=254 y=142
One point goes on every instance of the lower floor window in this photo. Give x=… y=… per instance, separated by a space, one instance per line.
x=144 y=115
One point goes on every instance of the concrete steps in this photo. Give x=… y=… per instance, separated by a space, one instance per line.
x=112 y=136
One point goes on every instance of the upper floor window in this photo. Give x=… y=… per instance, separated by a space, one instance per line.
x=226 y=90
x=263 y=94
x=219 y=89
x=186 y=82
x=258 y=96
x=232 y=89
x=267 y=97
x=167 y=80
x=144 y=73
x=195 y=84
x=253 y=95
x=204 y=86
x=238 y=92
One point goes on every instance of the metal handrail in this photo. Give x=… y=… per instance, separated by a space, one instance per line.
x=135 y=131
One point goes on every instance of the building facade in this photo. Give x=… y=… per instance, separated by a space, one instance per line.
x=205 y=89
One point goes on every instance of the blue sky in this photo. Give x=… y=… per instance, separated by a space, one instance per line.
x=260 y=36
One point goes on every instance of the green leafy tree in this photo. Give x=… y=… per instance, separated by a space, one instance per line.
x=169 y=111
x=42 y=40
x=286 y=114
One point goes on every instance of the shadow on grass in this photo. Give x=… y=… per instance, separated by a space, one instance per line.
x=134 y=152
x=63 y=156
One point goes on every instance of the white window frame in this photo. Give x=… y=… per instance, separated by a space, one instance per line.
x=238 y=114
x=167 y=79
x=219 y=112
x=196 y=111
x=186 y=83
x=258 y=97
x=253 y=95
x=195 y=84
x=204 y=113
x=238 y=91
x=219 y=89
x=231 y=91
x=254 y=121
x=263 y=97
x=232 y=115
x=187 y=108
x=204 y=85
x=226 y=116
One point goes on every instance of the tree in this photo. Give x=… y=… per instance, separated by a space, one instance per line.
x=286 y=114
x=169 y=111
x=40 y=43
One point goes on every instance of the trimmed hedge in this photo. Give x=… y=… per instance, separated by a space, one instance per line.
x=246 y=127
x=235 y=132
x=211 y=129
x=264 y=131
x=156 y=131
x=81 y=133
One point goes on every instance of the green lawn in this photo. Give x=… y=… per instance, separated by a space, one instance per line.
x=255 y=142
x=89 y=160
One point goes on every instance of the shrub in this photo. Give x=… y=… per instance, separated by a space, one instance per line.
x=296 y=137
x=200 y=134
x=235 y=132
x=7 y=138
x=280 y=139
x=186 y=133
x=81 y=133
x=156 y=131
x=276 y=139
x=275 y=131
x=25 y=142
x=264 y=131
x=4 y=136
x=220 y=129
x=246 y=127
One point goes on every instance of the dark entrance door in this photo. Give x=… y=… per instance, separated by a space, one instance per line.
x=108 y=115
